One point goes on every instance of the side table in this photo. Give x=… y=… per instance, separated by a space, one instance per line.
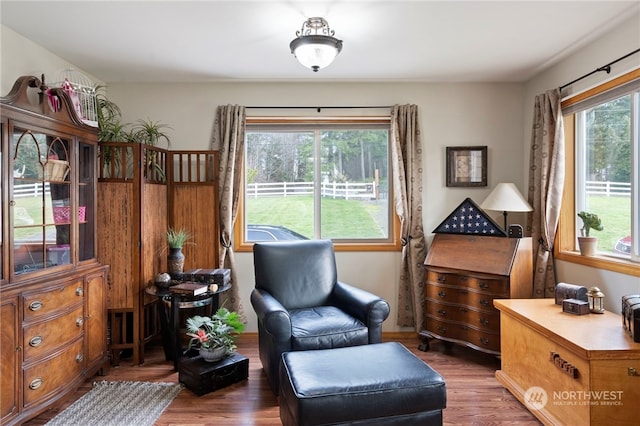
x=170 y=315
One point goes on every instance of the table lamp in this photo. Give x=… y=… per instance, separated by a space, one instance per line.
x=505 y=197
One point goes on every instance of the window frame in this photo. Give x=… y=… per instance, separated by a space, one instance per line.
x=564 y=248
x=394 y=241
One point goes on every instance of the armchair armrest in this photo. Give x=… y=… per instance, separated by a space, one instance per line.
x=369 y=308
x=271 y=314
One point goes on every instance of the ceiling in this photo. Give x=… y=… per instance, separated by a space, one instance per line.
x=207 y=41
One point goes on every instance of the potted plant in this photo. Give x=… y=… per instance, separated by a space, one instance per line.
x=587 y=243
x=214 y=336
x=176 y=238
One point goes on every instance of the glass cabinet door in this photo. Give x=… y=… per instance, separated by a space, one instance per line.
x=86 y=200
x=41 y=202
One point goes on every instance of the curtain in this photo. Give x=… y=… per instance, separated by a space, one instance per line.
x=228 y=139
x=406 y=157
x=546 y=182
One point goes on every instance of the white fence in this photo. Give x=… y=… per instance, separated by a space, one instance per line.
x=30 y=189
x=346 y=190
x=333 y=189
x=608 y=188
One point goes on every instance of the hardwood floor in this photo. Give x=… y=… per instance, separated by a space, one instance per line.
x=474 y=397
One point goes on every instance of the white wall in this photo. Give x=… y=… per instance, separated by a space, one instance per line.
x=624 y=39
x=20 y=56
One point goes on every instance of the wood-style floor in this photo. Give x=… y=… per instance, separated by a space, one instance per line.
x=474 y=397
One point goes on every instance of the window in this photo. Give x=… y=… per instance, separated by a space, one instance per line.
x=325 y=178
x=603 y=173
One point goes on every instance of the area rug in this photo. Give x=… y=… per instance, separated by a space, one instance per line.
x=119 y=403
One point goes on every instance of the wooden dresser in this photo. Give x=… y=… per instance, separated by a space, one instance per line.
x=569 y=369
x=464 y=273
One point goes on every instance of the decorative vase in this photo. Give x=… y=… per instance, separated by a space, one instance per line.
x=588 y=245
x=175 y=261
x=213 y=354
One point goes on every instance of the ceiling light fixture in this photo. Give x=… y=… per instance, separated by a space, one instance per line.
x=315 y=46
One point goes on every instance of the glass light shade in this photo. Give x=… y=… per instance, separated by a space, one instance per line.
x=315 y=51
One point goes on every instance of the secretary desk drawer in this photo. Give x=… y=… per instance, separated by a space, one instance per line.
x=447 y=294
x=494 y=285
x=451 y=330
x=481 y=320
x=37 y=305
x=43 y=337
x=462 y=296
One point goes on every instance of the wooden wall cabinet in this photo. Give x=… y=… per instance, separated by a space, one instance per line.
x=464 y=274
x=52 y=288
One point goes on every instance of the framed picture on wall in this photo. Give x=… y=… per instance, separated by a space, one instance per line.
x=466 y=166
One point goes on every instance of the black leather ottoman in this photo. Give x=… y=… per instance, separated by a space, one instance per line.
x=377 y=384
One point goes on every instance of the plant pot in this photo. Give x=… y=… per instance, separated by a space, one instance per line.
x=213 y=354
x=175 y=261
x=588 y=245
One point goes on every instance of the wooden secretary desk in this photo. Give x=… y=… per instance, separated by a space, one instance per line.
x=464 y=274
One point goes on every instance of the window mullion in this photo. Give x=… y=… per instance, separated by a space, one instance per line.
x=635 y=177
x=317 y=179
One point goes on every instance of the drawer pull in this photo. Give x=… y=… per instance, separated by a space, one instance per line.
x=442 y=312
x=36 y=305
x=484 y=340
x=442 y=294
x=36 y=341
x=464 y=279
x=441 y=279
x=483 y=285
x=79 y=322
x=36 y=383
x=565 y=366
x=484 y=302
x=633 y=372
x=442 y=329
x=79 y=358
x=484 y=321
x=463 y=309
x=79 y=291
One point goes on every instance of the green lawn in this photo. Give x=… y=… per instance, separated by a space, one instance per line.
x=341 y=218
x=615 y=215
x=355 y=219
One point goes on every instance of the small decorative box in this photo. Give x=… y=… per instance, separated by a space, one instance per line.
x=203 y=377
x=570 y=291
x=575 y=306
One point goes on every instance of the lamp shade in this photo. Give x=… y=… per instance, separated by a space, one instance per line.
x=505 y=197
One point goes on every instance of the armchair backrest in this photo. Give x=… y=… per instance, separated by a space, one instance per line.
x=299 y=274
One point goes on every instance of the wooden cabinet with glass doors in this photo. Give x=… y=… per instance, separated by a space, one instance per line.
x=50 y=278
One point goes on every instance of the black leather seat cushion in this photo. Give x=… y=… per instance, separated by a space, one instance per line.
x=373 y=384
x=324 y=327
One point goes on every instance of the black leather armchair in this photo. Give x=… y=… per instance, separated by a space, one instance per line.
x=301 y=305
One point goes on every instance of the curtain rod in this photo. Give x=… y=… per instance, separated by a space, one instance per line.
x=606 y=68
x=318 y=108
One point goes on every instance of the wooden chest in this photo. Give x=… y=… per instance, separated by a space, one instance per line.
x=569 y=369
x=203 y=377
x=465 y=273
